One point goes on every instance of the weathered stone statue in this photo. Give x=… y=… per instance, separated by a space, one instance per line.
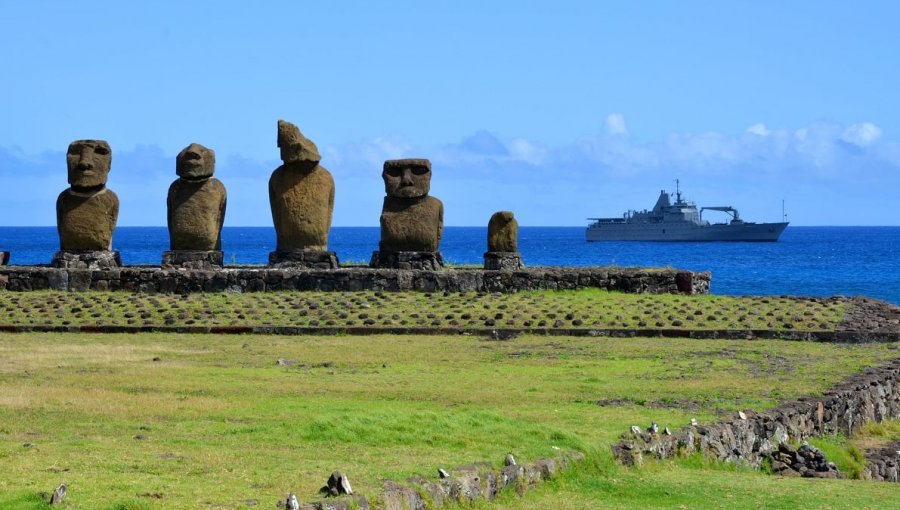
x=301 y=194
x=196 y=210
x=86 y=213
x=503 y=243
x=411 y=221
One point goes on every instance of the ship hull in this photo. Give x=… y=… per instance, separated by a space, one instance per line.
x=756 y=232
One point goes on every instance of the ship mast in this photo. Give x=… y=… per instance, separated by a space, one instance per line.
x=677 y=192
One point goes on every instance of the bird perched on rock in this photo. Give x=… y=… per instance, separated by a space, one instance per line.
x=654 y=428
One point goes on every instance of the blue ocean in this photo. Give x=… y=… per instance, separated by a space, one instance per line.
x=806 y=261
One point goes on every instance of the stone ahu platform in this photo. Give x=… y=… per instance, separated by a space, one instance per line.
x=152 y=279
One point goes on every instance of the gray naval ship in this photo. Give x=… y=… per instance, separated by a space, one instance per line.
x=680 y=221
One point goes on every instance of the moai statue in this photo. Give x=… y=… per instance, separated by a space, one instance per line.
x=86 y=213
x=301 y=193
x=196 y=210
x=4 y=258
x=411 y=221
x=503 y=243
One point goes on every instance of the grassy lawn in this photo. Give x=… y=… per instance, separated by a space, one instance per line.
x=211 y=421
x=582 y=309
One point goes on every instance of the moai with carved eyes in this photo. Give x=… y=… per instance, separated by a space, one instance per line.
x=503 y=243
x=196 y=210
x=412 y=222
x=301 y=194
x=86 y=213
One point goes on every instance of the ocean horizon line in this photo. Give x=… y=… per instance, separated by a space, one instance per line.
x=445 y=226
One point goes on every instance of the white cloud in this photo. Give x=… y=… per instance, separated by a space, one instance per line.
x=614 y=125
x=863 y=134
x=484 y=148
x=759 y=129
x=371 y=153
x=816 y=147
x=522 y=150
x=704 y=150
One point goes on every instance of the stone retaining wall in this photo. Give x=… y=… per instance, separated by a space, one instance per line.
x=883 y=464
x=871 y=396
x=464 y=485
x=181 y=281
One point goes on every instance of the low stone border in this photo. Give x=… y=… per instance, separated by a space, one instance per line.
x=495 y=334
x=871 y=396
x=883 y=464
x=230 y=279
x=463 y=485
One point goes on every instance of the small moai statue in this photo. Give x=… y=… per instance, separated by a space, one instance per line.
x=503 y=243
x=196 y=210
x=301 y=194
x=412 y=222
x=4 y=258
x=87 y=211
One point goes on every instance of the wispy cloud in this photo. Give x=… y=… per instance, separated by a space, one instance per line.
x=863 y=135
x=615 y=124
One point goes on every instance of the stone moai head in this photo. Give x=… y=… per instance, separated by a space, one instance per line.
x=503 y=232
x=296 y=148
x=88 y=162
x=407 y=178
x=195 y=162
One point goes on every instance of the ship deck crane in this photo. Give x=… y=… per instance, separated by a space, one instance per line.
x=735 y=216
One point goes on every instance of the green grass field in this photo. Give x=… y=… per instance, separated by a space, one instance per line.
x=583 y=309
x=146 y=421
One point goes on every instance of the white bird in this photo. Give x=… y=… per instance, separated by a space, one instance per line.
x=291 y=502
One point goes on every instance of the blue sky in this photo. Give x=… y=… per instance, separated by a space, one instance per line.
x=557 y=111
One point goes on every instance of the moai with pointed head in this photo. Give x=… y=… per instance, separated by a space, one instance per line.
x=195 y=211
x=87 y=211
x=503 y=243
x=301 y=194
x=412 y=222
